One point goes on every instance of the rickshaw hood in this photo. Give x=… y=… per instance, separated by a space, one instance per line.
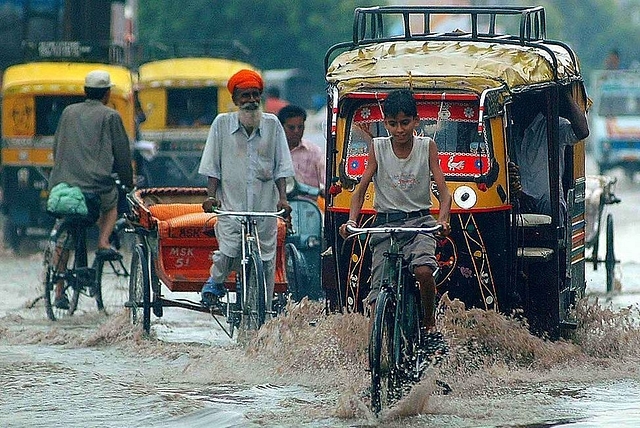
x=62 y=77
x=468 y=66
x=188 y=72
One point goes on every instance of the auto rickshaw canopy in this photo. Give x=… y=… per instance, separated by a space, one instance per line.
x=462 y=65
x=61 y=77
x=188 y=72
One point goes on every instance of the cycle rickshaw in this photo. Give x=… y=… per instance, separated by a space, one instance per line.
x=467 y=82
x=174 y=245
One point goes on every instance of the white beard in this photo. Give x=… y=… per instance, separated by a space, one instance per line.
x=250 y=118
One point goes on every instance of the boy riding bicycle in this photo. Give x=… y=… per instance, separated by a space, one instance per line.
x=400 y=167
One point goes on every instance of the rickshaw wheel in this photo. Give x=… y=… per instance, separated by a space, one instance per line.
x=610 y=259
x=11 y=235
x=139 y=292
x=296 y=272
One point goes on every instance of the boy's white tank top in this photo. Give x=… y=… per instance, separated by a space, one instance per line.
x=402 y=184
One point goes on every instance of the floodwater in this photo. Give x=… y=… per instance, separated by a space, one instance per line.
x=306 y=369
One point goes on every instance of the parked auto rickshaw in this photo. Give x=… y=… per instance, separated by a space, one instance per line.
x=33 y=97
x=466 y=81
x=180 y=98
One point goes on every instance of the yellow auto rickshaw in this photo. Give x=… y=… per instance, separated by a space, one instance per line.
x=468 y=82
x=180 y=97
x=33 y=97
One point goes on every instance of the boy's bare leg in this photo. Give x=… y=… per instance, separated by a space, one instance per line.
x=424 y=275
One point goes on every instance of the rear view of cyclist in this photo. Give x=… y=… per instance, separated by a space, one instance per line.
x=90 y=145
x=400 y=167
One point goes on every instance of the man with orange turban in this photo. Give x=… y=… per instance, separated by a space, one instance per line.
x=246 y=160
x=245 y=79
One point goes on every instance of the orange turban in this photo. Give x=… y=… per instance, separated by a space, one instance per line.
x=244 y=79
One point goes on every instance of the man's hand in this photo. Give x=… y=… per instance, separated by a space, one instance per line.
x=283 y=204
x=209 y=204
x=515 y=185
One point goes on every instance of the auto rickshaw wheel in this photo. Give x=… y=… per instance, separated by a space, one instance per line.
x=296 y=272
x=610 y=258
x=11 y=235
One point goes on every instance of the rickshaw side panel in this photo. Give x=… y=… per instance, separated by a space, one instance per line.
x=185 y=237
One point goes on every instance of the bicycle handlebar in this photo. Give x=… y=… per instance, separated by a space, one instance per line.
x=363 y=230
x=249 y=213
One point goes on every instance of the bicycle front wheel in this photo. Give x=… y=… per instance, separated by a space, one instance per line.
x=139 y=290
x=381 y=351
x=254 y=305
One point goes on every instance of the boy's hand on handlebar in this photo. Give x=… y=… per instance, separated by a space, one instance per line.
x=283 y=204
x=209 y=204
x=343 y=228
x=446 y=228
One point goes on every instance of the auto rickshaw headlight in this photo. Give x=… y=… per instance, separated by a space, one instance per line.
x=465 y=197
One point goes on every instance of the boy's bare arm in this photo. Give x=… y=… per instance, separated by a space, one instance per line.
x=443 y=191
x=357 y=199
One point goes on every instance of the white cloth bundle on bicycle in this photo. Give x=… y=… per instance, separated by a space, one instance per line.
x=65 y=199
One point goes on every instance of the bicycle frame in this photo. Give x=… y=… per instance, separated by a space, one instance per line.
x=250 y=245
x=80 y=278
x=395 y=290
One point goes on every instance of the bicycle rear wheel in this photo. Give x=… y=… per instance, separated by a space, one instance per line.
x=254 y=305
x=381 y=352
x=56 y=278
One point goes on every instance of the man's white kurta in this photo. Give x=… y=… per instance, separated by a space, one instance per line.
x=247 y=167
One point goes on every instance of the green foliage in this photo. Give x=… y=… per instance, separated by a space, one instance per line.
x=286 y=34
x=592 y=28
x=279 y=33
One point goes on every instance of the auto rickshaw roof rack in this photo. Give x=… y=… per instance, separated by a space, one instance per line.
x=213 y=48
x=372 y=26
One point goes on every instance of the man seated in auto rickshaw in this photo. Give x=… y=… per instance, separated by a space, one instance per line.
x=531 y=154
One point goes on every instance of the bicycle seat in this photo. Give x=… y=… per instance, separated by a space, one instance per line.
x=79 y=220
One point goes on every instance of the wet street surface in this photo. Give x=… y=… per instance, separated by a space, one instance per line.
x=308 y=369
